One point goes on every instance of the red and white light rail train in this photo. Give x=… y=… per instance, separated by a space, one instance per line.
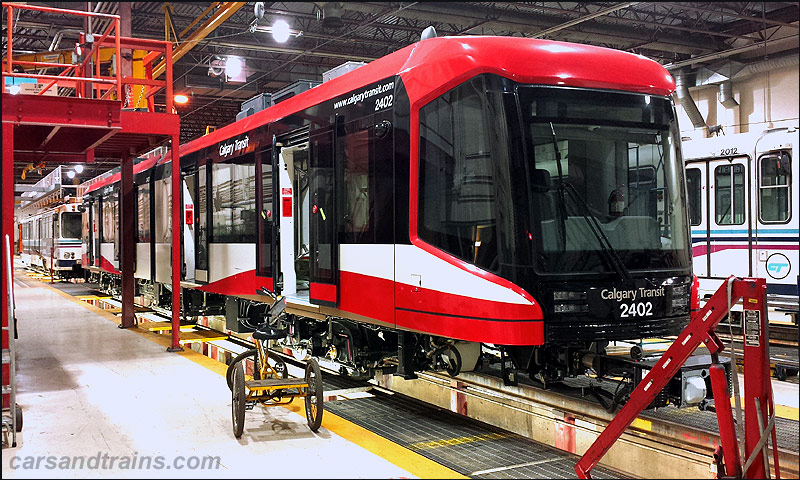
x=461 y=192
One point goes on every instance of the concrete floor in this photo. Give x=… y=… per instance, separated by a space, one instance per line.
x=90 y=389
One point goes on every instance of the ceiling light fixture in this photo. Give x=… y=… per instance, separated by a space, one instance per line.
x=180 y=98
x=233 y=66
x=70 y=174
x=280 y=30
x=78 y=168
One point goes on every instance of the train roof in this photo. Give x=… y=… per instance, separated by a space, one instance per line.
x=430 y=67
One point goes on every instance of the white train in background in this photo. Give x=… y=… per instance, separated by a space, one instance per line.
x=743 y=210
x=51 y=240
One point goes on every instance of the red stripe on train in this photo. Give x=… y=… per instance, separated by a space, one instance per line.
x=323 y=292
x=245 y=283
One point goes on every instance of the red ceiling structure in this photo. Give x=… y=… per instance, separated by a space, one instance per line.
x=89 y=118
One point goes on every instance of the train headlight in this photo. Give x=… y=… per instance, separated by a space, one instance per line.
x=570 y=302
x=680 y=298
x=693 y=387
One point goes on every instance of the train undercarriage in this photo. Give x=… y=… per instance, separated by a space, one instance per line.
x=361 y=350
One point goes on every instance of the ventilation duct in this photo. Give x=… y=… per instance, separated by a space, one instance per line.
x=726 y=95
x=766 y=65
x=331 y=15
x=686 y=101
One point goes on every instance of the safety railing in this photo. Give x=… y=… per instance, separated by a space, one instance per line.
x=86 y=80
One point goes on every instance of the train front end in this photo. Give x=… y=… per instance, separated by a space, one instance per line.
x=558 y=169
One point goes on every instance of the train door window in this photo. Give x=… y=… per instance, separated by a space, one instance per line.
x=111 y=222
x=110 y=215
x=457 y=186
x=163 y=199
x=774 y=187
x=233 y=202
x=694 y=193
x=201 y=260
x=71 y=225
x=143 y=213
x=323 y=266
x=729 y=196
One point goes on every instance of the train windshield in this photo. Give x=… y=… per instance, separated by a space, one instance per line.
x=71 y=224
x=604 y=181
x=524 y=179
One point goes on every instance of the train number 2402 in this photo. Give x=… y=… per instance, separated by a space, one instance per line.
x=638 y=309
x=384 y=102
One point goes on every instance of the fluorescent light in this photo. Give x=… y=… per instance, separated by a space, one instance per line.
x=181 y=98
x=233 y=66
x=78 y=168
x=280 y=31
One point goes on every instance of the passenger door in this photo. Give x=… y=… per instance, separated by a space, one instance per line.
x=729 y=234
x=268 y=228
x=697 y=199
x=324 y=248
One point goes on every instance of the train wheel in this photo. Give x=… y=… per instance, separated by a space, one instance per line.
x=314 y=395
x=452 y=361
x=18 y=414
x=238 y=400
x=238 y=359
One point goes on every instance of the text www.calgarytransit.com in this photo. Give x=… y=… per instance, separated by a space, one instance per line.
x=104 y=461
x=358 y=97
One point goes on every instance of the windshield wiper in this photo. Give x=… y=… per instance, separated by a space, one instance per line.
x=594 y=225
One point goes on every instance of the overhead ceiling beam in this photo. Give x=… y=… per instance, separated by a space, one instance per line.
x=728 y=13
x=226 y=9
x=726 y=53
x=585 y=18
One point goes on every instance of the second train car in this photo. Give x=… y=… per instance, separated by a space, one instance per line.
x=462 y=191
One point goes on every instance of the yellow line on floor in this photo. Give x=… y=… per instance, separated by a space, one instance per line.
x=457 y=441
x=410 y=461
x=781 y=411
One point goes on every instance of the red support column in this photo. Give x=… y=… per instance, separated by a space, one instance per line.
x=7 y=201
x=177 y=228
x=128 y=217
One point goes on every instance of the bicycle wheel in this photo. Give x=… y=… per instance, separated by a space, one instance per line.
x=313 y=395
x=238 y=400
x=238 y=359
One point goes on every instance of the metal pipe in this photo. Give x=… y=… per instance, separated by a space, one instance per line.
x=686 y=101
x=726 y=95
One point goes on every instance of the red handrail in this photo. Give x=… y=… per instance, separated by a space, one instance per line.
x=77 y=74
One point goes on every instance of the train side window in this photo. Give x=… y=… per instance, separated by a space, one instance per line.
x=110 y=217
x=457 y=207
x=143 y=213
x=774 y=187
x=729 y=196
x=354 y=155
x=233 y=201
x=694 y=188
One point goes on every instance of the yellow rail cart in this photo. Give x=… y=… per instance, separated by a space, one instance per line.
x=270 y=384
